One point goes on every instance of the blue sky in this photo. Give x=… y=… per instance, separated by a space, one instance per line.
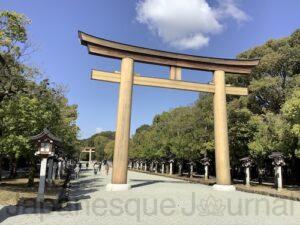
x=221 y=29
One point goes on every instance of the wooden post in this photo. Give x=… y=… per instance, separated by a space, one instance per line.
x=278 y=176
x=50 y=170
x=59 y=169
x=221 y=134
x=54 y=171
x=90 y=157
x=41 y=191
x=206 y=172
x=171 y=168
x=247 y=172
x=175 y=73
x=120 y=160
x=162 y=168
x=191 y=170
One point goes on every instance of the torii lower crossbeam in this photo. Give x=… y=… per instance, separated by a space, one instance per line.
x=165 y=83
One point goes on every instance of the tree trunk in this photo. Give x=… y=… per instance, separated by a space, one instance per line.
x=13 y=168
x=0 y=167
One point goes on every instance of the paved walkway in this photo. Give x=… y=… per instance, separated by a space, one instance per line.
x=158 y=200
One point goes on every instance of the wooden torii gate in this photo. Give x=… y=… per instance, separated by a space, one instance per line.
x=130 y=54
x=89 y=150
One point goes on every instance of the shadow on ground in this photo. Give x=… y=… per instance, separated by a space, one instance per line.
x=79 y=190
x=150 y=182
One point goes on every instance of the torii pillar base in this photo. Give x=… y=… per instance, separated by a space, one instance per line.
x=118 y=187
x=219 y=187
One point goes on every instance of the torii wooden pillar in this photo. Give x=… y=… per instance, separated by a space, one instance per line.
x=128 y=55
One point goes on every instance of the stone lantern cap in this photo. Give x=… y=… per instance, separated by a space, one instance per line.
x=46 y=137
x=205 y=161
x=162 y=161
x=45 y=134
x=246 y=161
x=278 y=158
x=192 y=163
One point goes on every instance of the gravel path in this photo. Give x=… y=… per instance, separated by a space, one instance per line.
x=158 y=200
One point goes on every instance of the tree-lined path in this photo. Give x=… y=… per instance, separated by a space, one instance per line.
x=160 y=200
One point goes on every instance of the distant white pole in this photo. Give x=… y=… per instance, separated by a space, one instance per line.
x=90 y=158
x=247 y=176
x=59 y=170
x=279 y=177
x=191 y=170
x=171 y=168
x=206 y=172
x=63 y=166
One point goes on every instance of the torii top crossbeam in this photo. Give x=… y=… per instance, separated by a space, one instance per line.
x=102 y=47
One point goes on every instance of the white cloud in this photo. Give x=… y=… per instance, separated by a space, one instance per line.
x=191 y=42
x=186 y=24
x=228 y=8
x=99 y=130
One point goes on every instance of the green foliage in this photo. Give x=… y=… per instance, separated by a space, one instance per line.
x=272 y=133
x=99 y=141
x=109 y=150
x=27 y=107
x=265 y=121
x=12 y=32
x=291 y=111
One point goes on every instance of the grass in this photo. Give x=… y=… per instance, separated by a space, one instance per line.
x=16 y=191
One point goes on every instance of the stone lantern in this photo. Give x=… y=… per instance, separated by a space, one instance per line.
x=141 y=165
x=151 y=166
x=46 y=143
x=247 y=162
x=171 y=161
x=278 y=162
x=206 y=163
x=156 y=166
x=130 y=165
x=162 y=166
x=136 y=164
x=192 y=165
x=60 y=167
x=179 y=167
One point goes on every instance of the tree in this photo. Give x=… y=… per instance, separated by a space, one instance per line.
x=291 y=111
x=13 y=41
x=109 y=150
x=28 y=114
x=271 y=133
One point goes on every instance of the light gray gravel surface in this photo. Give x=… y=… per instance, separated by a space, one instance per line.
x=157 y=200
